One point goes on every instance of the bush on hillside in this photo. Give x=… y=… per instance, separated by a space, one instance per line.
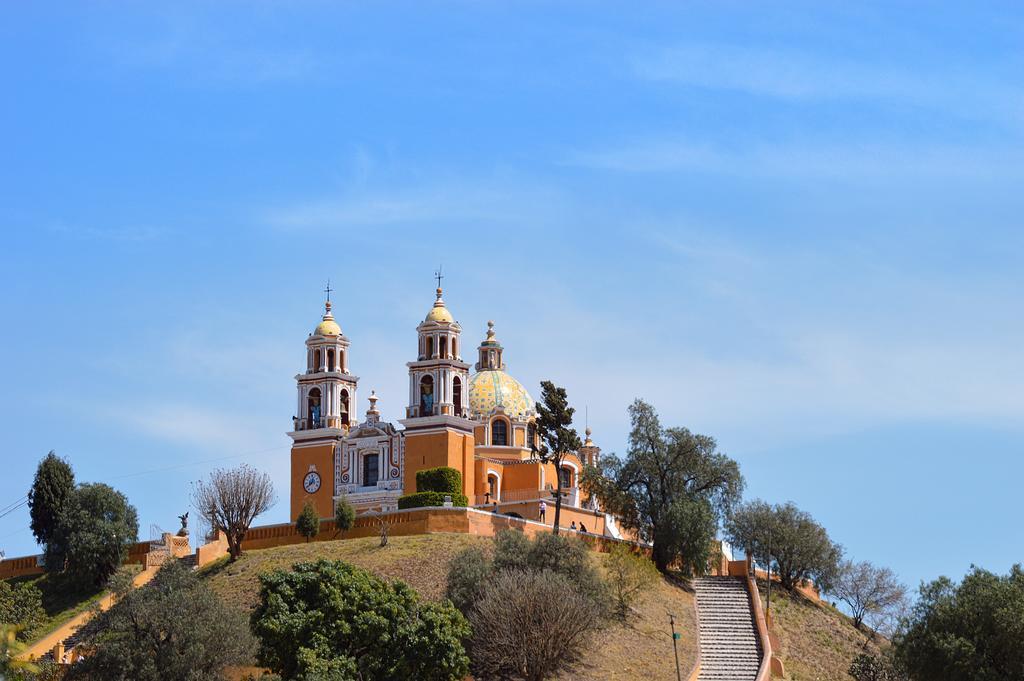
x=331 y=620
x=175 y=627
x=530 y=625
x=868 y=667
x=21 y=607
x=425 y=499
x=467 y=577
x=442 y=479
x=629 y=575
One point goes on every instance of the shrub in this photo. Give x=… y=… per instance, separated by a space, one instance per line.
x=569 y=557
x=424 y=499
x=467 y=577
x=21 y=606
x=441 y=479
x=344 y=514
x=173 y=628
x=308 y=522
x=629 y=574
x=530 y=625
x=511 y=551
x=331 y=620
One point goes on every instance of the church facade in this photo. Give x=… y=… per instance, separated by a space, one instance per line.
x=474 y=417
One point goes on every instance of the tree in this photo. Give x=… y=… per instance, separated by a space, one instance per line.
x=12 y=666
x=468 y=573
x=95 y=530
x=972 y=631
x=557 y=439
x=231 y=500
x=671 y=489
x=175 y=629
x=868 y=590
x=629 y=574
x=786 y=539
x=332 y=620
x=308 y=522
x=52 y=488
x=344 y=514
x=530 y=625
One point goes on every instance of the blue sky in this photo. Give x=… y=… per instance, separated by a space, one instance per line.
x=795 y=227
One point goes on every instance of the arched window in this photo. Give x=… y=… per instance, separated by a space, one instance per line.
x=492 y=486
x=316 y=360
x=313 y=413
x=341 y=360
x=457 y=395
x=344 y=406
x=430 y=347
x=427 y=395
x=565 y=475
x=444 y=347
x=455 y=348
x=330 y=360
x=531 y=435
x=499 y=433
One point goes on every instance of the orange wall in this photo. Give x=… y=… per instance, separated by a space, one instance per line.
x=322 y=456
x=431 y=450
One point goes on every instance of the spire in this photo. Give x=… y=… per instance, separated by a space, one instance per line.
x=327 y=327
x=373 y=414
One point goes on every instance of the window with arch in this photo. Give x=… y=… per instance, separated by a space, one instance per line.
x=427 y=395
x=499 y=433
x=341 y=360
x=444 y=347
x=492 y=486
x=316 y=360
x=430 y=347
x=313 y=414
x=455 y=348
x=330 y=360
x=344 y=406
x=565 y=476
x=457 y=395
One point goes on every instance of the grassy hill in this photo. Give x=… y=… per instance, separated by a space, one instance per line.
x=640 y=649
x=817 y=642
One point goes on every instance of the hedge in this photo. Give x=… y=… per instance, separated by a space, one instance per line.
x=422 y=499
x=441 y=479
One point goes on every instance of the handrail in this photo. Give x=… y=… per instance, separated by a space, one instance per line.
x=695 y=672
x=764 y=671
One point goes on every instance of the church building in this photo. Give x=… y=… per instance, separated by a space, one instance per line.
x=474 y=417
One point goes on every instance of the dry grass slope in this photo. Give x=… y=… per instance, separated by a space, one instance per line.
x=640 y=649
x=817 y=642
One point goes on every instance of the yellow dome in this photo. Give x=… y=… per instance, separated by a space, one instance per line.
x=328 y=327
x=439 y=313
x=493 y=388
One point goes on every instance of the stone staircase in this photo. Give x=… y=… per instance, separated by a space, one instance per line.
x=730 y=649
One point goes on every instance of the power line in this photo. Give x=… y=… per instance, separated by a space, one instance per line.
x=14 y=508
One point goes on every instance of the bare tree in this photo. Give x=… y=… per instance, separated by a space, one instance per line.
x=231 y=499
x=530 y=625
x=870 y=591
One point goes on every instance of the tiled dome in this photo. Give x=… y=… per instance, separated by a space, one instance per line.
x=491 y=389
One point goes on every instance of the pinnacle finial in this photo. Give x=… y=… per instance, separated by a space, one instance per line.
x=490 y=330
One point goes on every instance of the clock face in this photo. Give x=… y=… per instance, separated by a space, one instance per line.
x=311 y=483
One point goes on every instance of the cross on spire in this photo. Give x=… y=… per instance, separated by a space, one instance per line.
x=328 y=290
x=438 y=275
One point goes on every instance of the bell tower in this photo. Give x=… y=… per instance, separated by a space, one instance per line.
x=437 y=430
x=326 y=399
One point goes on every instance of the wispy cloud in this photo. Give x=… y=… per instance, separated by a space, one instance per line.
x=796 y=75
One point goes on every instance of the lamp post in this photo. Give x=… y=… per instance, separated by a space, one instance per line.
x=675 y=637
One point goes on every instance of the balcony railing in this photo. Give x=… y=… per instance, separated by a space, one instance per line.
x=570 y=496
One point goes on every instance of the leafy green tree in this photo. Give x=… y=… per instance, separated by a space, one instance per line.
x=868 y=667
x=344 y=514
x=308 y=522
x=788 y=540
x=52 y=488
x=557 y=439
x=671 y=489
x=21 y=606
x=629 y=575
x=972 y=631
x=331 y=620
x=173 y=629
x=96 y=530
x=11 y=649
